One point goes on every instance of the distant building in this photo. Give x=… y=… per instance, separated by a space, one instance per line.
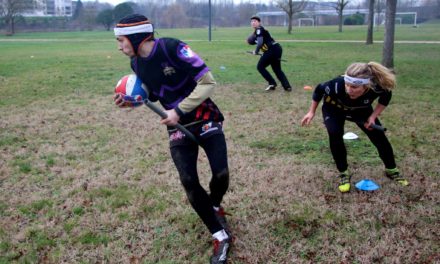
x=51 y=8
x=59 y=7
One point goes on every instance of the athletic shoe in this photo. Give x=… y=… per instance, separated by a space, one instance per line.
x=395 y=176
x=344 y=184
x=221 y=218
x=270 y=87
x=221 y=249
x=288 y=89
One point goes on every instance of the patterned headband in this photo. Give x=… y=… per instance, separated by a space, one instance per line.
x=356 y=81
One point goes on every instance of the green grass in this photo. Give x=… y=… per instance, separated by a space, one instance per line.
x=425 y=31
x=85 y=182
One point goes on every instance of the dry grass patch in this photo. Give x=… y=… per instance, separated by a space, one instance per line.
x=85 y=182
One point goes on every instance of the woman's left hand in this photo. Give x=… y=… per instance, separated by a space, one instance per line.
x=172 y=118
x=371 y=121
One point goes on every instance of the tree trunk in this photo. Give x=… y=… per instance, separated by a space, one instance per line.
x=11 y=27
x=370 y=23
x=388 y=44
x=289 y=28
x=340 y=21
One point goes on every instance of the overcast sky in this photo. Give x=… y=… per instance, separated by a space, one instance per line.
x=115 y=2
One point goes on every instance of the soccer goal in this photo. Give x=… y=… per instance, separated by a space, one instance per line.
x=379 y=19
x=300 y=21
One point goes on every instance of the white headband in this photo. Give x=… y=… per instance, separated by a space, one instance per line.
x=356 y=81
x=144 y=28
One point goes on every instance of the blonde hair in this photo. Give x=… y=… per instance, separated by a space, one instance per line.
x=378 y=74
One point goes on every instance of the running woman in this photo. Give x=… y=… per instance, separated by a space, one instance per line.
x=350 y=97
x=180 y=80
x=272 y=52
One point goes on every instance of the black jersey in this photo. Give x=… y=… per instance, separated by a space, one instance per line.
x=267 y=40
x=170 y=74
x=334 y=94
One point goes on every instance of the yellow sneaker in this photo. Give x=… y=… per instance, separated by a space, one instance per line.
x=394 y=175
x=344 y=184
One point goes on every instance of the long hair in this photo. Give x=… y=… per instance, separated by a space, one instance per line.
x=378 y=74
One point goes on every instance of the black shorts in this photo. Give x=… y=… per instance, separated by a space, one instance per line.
x=200 y=130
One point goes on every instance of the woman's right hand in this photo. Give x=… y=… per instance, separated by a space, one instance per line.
x=307 y=119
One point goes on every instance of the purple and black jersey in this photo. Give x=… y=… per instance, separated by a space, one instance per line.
x=170 y=73
x=334 y=95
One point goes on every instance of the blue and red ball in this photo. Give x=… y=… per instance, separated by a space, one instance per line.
x=133 y=91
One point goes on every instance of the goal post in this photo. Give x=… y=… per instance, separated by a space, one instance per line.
x=300 y=20
x=382 y=16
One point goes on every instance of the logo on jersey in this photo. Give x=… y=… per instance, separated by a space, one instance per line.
x=327 y=90
x=206 y=128
x=258 y=31
x=167 y=71
x=366 y=101
x=187 y=52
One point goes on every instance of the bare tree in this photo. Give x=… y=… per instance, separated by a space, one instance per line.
x=178 y=20
x=407 y=3
x=437 y=8
x=88 y=16
x=11 y=9
x=339 y=6
x=435 y=4
x=379 y=7
x=245 y=11
x=370 y=22
x=388 y=44
x=291 y=7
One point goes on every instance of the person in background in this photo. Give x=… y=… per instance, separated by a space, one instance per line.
x=350 y=97
x=180 y=80
x=272 y=52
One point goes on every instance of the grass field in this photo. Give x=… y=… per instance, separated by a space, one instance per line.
x=82 y=181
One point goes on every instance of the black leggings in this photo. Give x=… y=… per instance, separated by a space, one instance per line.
x=272 y=57
x=334 y=121
x=185 y=159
